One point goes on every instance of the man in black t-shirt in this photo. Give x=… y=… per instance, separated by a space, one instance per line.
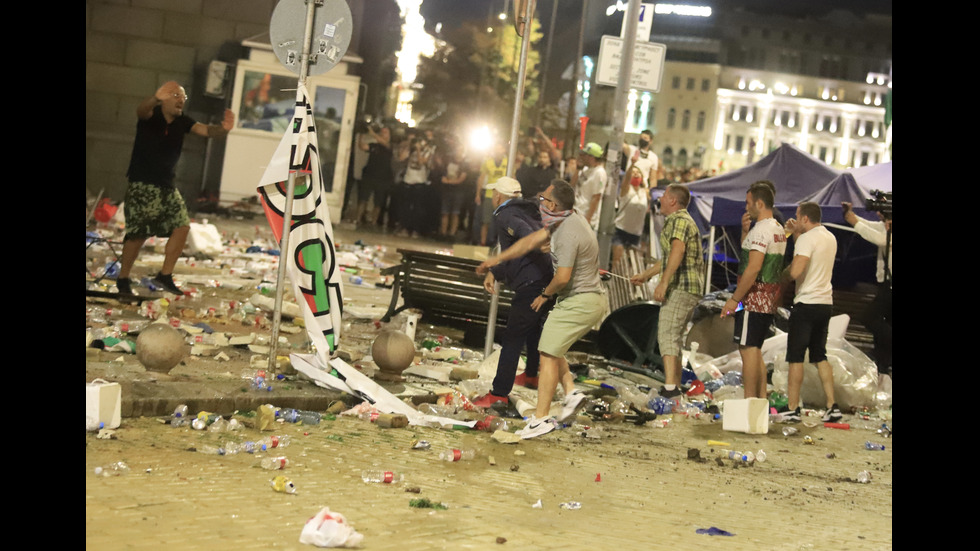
x=153 y=205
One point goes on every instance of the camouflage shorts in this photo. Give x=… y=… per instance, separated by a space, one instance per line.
x=152 y=210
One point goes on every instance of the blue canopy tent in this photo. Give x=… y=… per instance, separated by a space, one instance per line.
x=717 y=204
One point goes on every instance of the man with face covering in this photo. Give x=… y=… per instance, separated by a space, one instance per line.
x=515 y=218
x=581 y=300
x=642 y=157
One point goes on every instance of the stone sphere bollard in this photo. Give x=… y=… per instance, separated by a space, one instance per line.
x=393 y=351
x=160 y=347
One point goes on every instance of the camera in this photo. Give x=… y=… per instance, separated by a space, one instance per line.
x=880 y=202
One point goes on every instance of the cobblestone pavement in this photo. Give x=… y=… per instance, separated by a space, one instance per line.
x=638 y=487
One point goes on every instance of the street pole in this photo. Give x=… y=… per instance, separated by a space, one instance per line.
x=547 y=59
x=570 y=142
x=287 y=219
x=608 y=209
x=515 y=125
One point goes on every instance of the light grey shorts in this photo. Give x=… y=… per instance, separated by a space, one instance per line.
x=675 y=313
x=571 y=319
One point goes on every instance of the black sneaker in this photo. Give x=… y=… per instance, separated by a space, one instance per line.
x=787 y=415
x=124 y=285
x=167 y=282
x=833 y=414
x=671 y=393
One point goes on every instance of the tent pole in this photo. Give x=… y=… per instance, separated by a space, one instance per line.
x=287 y=216
x=711 y=260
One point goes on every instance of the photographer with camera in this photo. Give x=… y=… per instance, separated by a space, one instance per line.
x=879 y=317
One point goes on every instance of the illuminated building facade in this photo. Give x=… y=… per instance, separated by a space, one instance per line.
x=737 y=84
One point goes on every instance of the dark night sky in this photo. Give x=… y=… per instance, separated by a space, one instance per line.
x=452 y=12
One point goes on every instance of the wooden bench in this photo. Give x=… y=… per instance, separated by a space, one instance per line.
x=445 y=288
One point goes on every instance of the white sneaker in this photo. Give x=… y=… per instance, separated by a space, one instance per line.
x=537 y=427
x=571 y=404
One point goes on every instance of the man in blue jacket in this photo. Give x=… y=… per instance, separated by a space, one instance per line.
x=527 y=276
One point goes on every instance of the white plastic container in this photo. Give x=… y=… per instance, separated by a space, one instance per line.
x=748 y=415
x=103 y=405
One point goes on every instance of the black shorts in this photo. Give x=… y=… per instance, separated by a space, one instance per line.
x=808 y=330
x=751 y=328
x=625 y=239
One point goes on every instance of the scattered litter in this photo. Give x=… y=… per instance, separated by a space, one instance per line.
x=426 y=503
x=571 y=505
x=714 y=531
x=329 y=529
x=537 y=505
x=283 y=485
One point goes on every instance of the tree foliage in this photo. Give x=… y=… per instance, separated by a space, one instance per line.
x=473 y=75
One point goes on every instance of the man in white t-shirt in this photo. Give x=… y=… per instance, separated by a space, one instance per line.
x=812 y=269
x=591 y=183
x=643 y=158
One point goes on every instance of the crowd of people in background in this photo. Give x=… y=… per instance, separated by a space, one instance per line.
x=430 y=183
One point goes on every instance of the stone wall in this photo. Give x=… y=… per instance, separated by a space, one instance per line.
x=134 y=46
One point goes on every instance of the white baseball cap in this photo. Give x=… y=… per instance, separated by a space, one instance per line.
x=506 y=185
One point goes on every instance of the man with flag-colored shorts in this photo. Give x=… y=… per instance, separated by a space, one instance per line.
x=153 y=205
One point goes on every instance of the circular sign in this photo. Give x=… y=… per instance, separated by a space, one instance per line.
x=332 y=26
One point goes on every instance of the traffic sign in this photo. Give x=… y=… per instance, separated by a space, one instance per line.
x=647 y=69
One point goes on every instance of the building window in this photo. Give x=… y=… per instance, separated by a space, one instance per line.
x=701 y=120
x=705 y=85
x=668 y=156
x=671 y=118
x=739 y=142
x=676 y=83
x=690 y=83
x=686 y=119
x=682 y=158
x=823 y=154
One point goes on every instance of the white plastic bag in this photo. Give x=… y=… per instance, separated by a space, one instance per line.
x=205 y=239
x=327 y=529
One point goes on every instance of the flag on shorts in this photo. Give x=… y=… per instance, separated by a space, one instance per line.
x=311 y=259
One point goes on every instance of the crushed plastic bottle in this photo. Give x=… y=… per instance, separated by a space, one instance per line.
x=661 y=405
x=274 y=463
x=274 y=442
x=739 y=457
x=454 y=454
x=117 y=468
x=790 y=431
x=760 y=456
x=383 y=477
x=219 y=425
x=179 y=417
x=874 y=446
x=301 y=416
x=864 y=477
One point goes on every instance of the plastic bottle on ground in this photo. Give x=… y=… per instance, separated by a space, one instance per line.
x=456 y=455
x=211 y=449
x=301 y=416
x=384 y=477
x=737 y=456
x=864 y=477
x=760 y=456
x=789 y=431
x=874 y=446
x=219 y=425
x=272 y=442
x=274 y=463
x=179 y=417
x=245 y=447
x=118 y=468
